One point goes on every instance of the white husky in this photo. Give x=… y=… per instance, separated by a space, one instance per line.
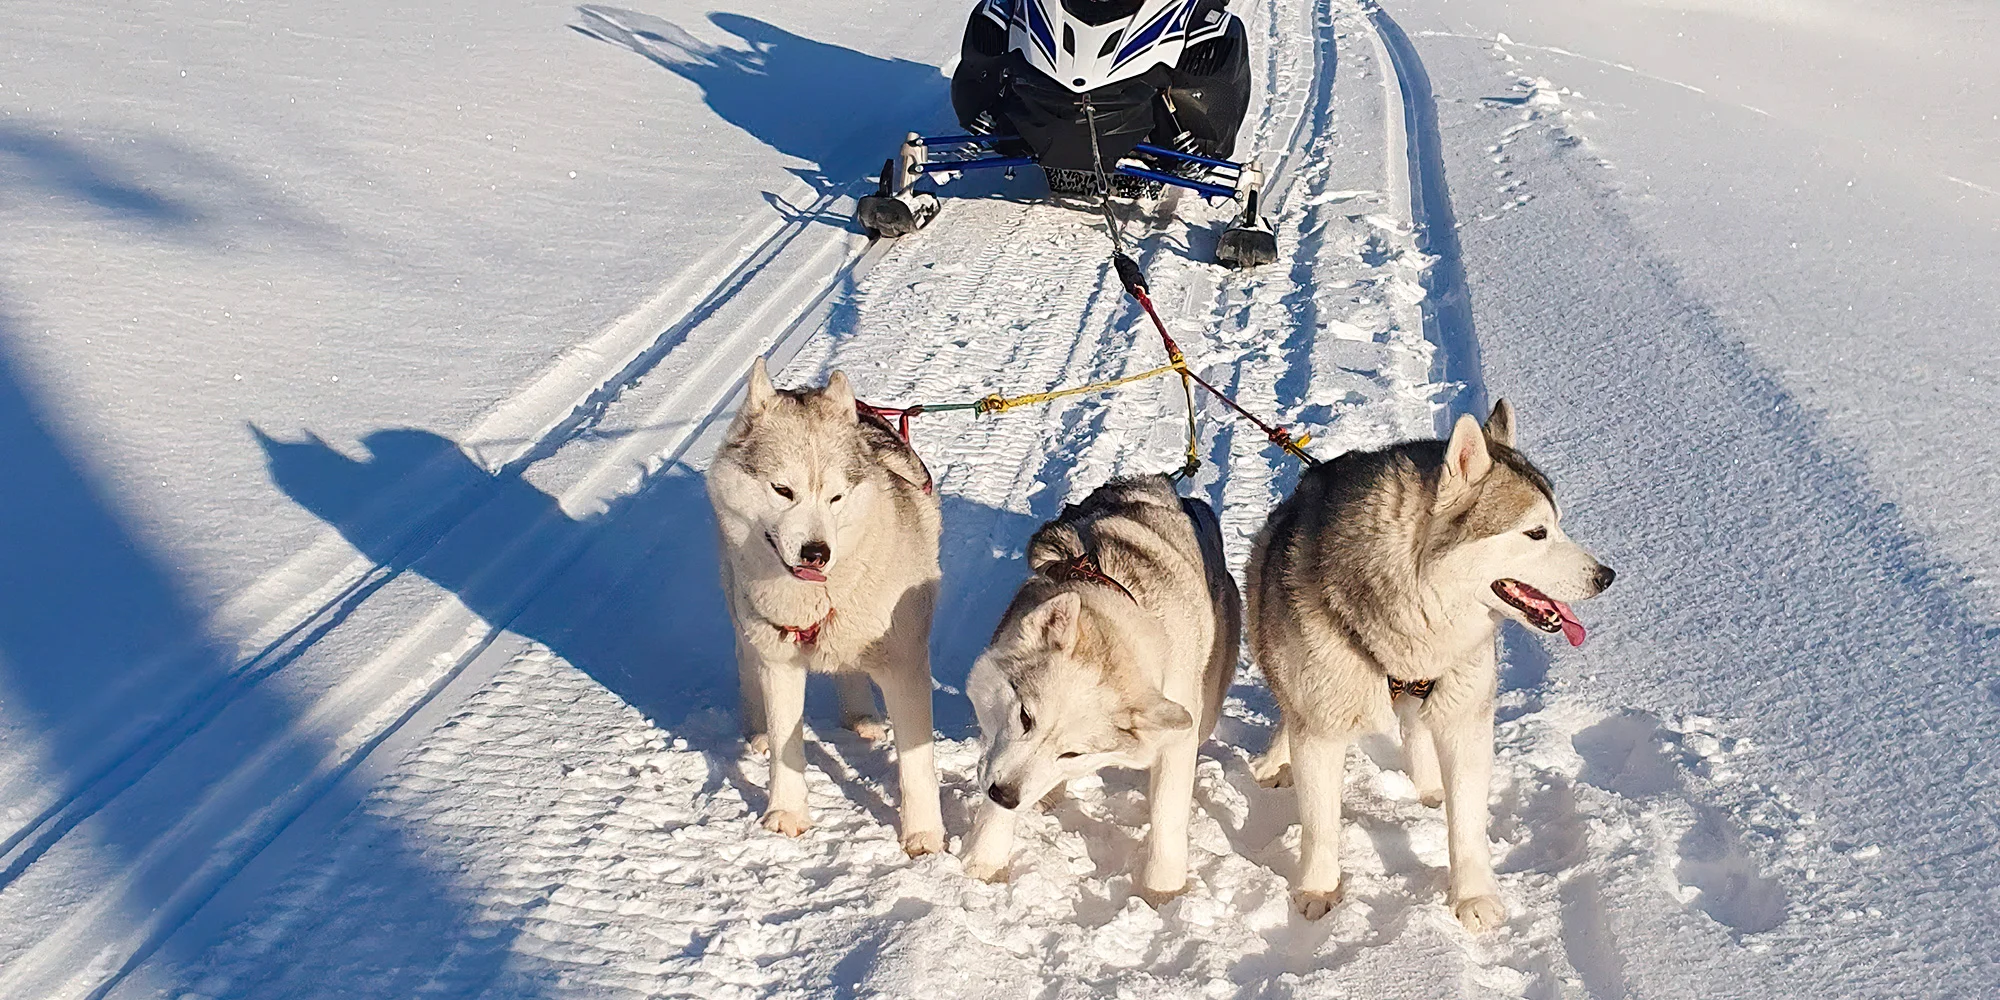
x=1116 y=653
x=829 y=563
x=1383 y=579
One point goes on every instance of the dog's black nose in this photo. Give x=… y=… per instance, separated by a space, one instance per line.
x=1604 y=576
x=1003 y=796
x=814 y=554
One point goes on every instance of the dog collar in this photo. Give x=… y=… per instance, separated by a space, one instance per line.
x=1084 y=567
x=1419 y=690
x=804 y=635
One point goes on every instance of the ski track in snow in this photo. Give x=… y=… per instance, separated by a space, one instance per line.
x=593 y=848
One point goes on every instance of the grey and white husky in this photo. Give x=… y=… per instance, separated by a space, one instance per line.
x=829 y=563
x=1116 y=653
x=1379 y=586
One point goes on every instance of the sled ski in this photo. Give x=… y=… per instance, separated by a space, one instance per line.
x=898 y=207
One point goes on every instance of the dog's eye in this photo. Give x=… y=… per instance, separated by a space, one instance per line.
x=835 y=498
x=1067 y=754
x=1026 y=723
x=783 y=491
x=1537 y=533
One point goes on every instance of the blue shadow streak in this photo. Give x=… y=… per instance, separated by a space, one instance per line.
x=42 y=161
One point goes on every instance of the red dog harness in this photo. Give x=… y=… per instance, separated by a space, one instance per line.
x=804 y=635
x=1084 y=567
x=1415 y=689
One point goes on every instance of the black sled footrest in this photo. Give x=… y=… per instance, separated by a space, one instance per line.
x=890 y=216
x=1249 y=241
x=1247 y=246
x=896 y=210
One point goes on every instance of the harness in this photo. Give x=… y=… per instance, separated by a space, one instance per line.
x=804 y=635
x=1419 y=690
x=1084 y=567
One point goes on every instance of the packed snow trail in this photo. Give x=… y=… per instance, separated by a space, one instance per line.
x=997 y=294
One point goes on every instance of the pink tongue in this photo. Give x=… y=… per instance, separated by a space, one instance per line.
x=807 y=573
x=1572 y=629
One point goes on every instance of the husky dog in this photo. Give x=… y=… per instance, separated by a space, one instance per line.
x=1379 y=586
x=829 y=563
x=1115 y=653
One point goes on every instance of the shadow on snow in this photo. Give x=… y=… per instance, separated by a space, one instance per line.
x=841 y=110
x=638 y=606
x=108 y=671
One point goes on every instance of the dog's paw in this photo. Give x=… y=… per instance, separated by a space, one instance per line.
x=918 y=843
x=1157 y=898
x=757 y=744
x=1432 y=797
x=787 y=822
x=985 y=872
x=869 y=728
x=1314 y=905
x=1481 y=913
x=1271 y=774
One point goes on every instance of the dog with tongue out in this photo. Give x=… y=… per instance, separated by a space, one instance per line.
x=829 y=534
x=1376 y=590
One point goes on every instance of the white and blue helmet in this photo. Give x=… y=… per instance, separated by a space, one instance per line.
x=1087 y=44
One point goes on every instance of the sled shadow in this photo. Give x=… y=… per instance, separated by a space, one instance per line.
x=839 y=109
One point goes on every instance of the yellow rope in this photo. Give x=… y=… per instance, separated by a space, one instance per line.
x=1193 y=464
x=997 y=403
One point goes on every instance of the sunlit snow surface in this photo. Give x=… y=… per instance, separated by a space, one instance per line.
x=333 y=339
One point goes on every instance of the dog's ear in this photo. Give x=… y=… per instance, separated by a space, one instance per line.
x=1158 y=715
x=761 y=389
x=1054 y=624
x=1466 y=460
x=993 y=698
x=840 y=395
x=1500 y=426
x=905 y=464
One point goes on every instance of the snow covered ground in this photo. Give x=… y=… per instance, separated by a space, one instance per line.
x=360 y=634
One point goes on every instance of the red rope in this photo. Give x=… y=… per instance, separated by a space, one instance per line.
x=1135 y=285
x=1134 y=281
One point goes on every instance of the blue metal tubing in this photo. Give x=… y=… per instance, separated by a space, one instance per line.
x=962 y=140
x=1206 y=190
x=1190 y=157
x=946 y=166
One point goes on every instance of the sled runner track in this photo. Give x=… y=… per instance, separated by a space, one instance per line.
x=1448 y=307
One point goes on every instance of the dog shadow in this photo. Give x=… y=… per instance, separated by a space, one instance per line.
x=637 y=608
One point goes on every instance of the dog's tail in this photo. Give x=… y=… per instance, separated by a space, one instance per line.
x=1055 y=542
